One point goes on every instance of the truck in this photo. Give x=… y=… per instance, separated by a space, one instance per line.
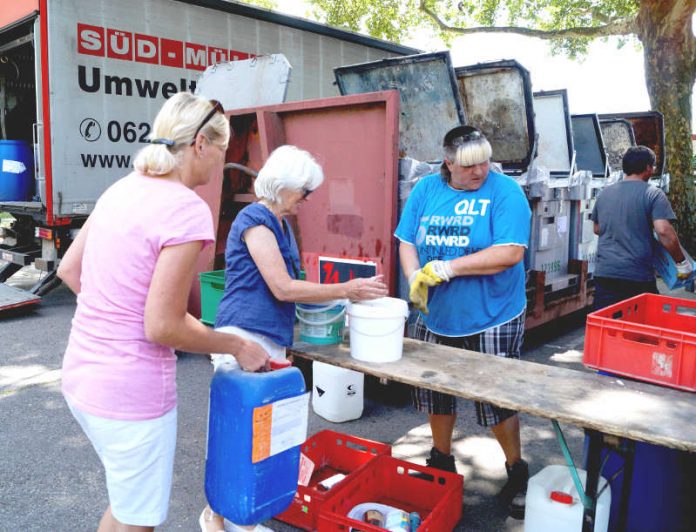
x=81 y=81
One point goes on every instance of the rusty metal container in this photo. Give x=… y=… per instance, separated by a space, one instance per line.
x=430 y=102
x=497 y=98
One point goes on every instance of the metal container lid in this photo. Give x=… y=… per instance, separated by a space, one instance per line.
x=430 y=102
x=497 y=98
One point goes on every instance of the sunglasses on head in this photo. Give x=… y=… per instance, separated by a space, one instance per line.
x=458 y=141
x=217 y=108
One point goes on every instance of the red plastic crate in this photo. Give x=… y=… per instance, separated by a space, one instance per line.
x=436 y=495
x=332 y=453
x=648 y=337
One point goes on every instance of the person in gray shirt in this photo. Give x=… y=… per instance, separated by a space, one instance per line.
x=625 y=216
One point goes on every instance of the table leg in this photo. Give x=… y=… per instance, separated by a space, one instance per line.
x=594 y=450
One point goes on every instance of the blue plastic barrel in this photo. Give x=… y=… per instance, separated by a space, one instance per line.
x=662 y=493
x=244 y=492
x=16 y=170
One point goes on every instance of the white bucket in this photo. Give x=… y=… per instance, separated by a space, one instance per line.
x=377 y=329
x=337 y=393
x=545 y=514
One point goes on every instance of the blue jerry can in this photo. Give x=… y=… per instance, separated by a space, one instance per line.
x=256 y=424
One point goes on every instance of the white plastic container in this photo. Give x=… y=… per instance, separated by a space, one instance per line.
x=377 y=329
x=337 y=393
x=546 y=514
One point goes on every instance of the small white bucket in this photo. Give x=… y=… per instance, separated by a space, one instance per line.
x=377 y=329
x=337 y=393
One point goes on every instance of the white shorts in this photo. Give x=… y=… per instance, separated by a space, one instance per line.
x=138 y=459
x=273 y=349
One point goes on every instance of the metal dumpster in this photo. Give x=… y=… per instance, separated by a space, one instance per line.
x=353 y=214
x=497 y=98
x=430 y=102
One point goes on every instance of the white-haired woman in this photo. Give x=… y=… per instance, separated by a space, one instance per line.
x=462 y=237
x=132 y=266
x=263 y=265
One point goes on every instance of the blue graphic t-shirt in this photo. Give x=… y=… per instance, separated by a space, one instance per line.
x=444 y=223
x=248 y=302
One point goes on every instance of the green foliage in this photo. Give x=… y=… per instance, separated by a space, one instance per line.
x=266 y=4
x=396 y=20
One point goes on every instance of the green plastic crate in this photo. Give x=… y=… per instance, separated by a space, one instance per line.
x=212 y=288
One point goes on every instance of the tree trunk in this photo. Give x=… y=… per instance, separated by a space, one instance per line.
x=669 y=56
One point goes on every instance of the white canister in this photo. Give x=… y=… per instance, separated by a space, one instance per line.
x=553 y=504
x=377 y=329
x=337 y=393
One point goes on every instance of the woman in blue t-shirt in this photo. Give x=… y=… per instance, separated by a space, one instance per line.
x=462 y=237
x=262 y=269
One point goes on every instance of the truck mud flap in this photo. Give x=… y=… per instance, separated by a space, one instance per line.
x=11 y=298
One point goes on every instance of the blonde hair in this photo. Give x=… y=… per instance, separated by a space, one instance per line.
x=173 y=131
x=288 y=167
x=465 y=146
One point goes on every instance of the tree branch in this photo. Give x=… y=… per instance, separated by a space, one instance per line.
x=624 y=26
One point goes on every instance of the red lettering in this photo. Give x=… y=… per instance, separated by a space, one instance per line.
x=216 y=55
x=119 y=44
x=196 y=58
x=124 y=45
x=331 y=275
x=235 y=55
x=172 y=53
x=146 y=49
x=90 y=40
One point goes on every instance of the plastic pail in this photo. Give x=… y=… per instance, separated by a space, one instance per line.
x=337 y=393
x=321 y=324
x=549 y=509
x=252 y=465
x=16 y=170
x=377 y=329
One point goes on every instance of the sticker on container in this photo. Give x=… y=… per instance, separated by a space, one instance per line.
x=661 y=364
x=13 y=167
x=562 y=224
x=279 y=426
x=79 y=208
x=306 y=470
x=544 y=237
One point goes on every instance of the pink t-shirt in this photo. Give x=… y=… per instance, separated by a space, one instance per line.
x=110 y=369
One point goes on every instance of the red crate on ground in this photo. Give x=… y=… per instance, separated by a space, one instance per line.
x=648 y=337
x=332 y=453
x=436 y=495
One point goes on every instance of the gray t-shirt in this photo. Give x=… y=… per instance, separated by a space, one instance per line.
x=625 y=212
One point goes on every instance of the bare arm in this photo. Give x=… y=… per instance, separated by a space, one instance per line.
x=668 y=238
x=596 y=228
x=488 y=261
x=408 y=256
x=168 y=323
x=264 y=250
x=70 y=267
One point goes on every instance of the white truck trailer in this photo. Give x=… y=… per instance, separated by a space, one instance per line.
x=81 y=81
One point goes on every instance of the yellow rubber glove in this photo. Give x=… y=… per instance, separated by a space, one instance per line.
x=438 y=270
x=432 y=274
x=418 y=294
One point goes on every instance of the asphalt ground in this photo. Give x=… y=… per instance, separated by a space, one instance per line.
x=51 y=479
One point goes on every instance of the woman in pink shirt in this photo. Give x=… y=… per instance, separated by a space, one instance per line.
x=132 y=266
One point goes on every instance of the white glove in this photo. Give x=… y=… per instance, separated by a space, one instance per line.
x=441 y=270
x=684 y=269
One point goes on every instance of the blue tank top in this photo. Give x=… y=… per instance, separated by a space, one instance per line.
x=248 y=302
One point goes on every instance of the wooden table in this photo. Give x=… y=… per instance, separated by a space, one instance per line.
x=600 y=404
